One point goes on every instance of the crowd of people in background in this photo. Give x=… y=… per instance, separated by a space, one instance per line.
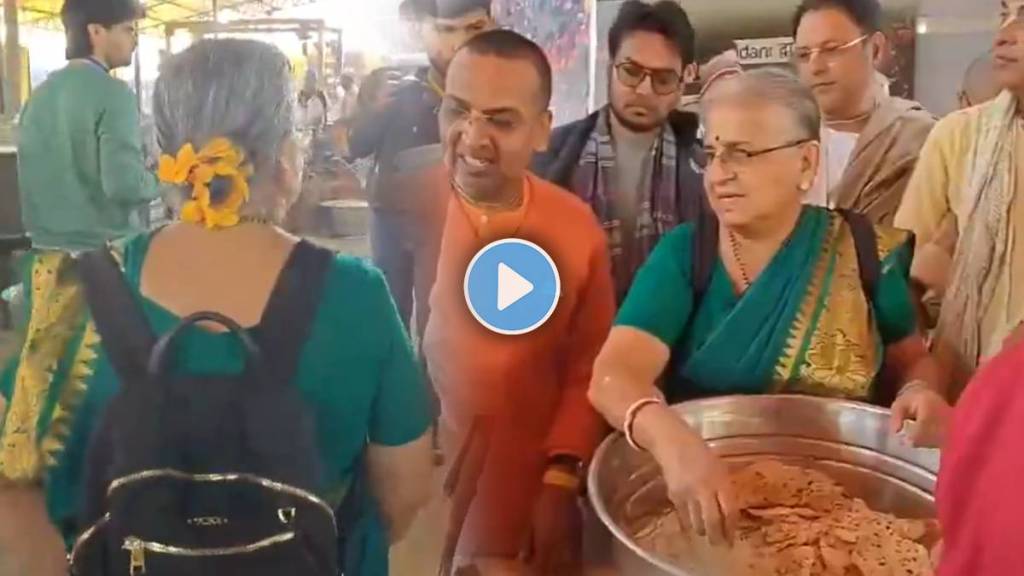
x=789 y=229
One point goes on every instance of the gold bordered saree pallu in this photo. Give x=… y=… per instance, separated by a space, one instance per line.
x=806 y=325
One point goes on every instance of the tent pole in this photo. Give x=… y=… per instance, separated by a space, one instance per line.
x=5 y=89
x=12 y=58
x=215 y=5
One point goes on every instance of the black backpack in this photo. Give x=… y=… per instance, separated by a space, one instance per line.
x=704 y=253
x=205 y=475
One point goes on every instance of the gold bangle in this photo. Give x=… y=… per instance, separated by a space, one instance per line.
x=561 y=479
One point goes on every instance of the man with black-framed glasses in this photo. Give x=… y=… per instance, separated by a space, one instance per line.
x=637 y=161
x=870 y=140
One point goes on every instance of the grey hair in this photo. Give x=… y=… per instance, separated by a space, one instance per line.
x=775 y=86
x=233 y=88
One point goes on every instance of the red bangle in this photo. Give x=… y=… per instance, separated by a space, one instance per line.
x=631 y=415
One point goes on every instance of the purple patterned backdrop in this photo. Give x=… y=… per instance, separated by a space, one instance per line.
x=561 y=27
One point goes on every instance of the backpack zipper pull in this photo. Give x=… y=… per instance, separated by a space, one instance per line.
x=137 y=554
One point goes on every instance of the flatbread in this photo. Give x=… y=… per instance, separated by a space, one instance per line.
x=797 y=521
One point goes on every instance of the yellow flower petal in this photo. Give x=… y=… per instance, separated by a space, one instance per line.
x=243 y=187
x=187 y=155
x=202 y=174
x=216 y=218
x=221 y=150
x=201 y=195
x=228 y=219
x=192 y=212
x=238 y=195
x=168 y=170
x=223 y=168
x=216 y=148
x=209 y=217
x=183 y=164
x=218 y=158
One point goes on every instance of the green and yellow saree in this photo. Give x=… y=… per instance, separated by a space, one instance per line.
x=804 y=326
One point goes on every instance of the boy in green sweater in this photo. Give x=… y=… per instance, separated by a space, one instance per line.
x=81 y=170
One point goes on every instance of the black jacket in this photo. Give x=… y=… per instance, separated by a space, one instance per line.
x=559 y=163
x=400 y=136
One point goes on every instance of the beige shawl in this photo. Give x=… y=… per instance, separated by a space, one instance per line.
x=883 y=160
x=982 y=252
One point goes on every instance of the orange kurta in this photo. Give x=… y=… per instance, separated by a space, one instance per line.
x=529 y=389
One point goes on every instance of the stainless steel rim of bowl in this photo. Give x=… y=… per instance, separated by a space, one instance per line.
x=853 y=428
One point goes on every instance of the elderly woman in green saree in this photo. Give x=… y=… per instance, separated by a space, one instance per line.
x=784 y=306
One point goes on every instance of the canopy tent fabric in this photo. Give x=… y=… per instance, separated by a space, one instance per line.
x=46 y=13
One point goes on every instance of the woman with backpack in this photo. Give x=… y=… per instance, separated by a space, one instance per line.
x=773 y=297
x=214 y=397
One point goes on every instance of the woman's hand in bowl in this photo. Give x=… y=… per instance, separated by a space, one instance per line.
x=698 y=485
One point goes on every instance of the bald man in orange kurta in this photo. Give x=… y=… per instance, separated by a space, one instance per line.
x=516 y=421
x=517 y=401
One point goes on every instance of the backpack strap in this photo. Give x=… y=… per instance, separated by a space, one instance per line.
x=288 y=318
x=117 y=314
x=866 y=244
x=703 y=253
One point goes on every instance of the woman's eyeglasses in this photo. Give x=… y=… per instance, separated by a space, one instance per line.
x=663 y=82
x=731 y=156
x=828 y=53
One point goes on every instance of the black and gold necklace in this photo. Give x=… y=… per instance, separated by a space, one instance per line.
x=734 y=245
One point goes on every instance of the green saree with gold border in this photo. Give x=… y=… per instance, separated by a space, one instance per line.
x=803 y=326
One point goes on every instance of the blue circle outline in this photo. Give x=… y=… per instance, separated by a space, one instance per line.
x=554 y=301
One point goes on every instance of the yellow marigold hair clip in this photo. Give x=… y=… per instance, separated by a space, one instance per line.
x=219 y=176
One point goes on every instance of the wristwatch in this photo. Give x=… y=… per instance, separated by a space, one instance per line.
x=564 y=471
x=568 y=463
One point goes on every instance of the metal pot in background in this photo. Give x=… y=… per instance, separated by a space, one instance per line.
x=848 y=440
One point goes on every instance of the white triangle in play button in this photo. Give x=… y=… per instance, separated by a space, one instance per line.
x=512 y=287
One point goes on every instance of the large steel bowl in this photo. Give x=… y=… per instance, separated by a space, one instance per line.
x=848 y=440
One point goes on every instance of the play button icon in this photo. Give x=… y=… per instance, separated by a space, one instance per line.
x=512 y=286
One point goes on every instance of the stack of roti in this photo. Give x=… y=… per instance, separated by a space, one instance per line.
x=798 y=522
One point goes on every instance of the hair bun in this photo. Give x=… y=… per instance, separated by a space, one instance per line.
x=219 y=176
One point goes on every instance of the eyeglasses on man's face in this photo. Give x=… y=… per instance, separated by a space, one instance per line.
x=663 y=82
x=828 y=53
